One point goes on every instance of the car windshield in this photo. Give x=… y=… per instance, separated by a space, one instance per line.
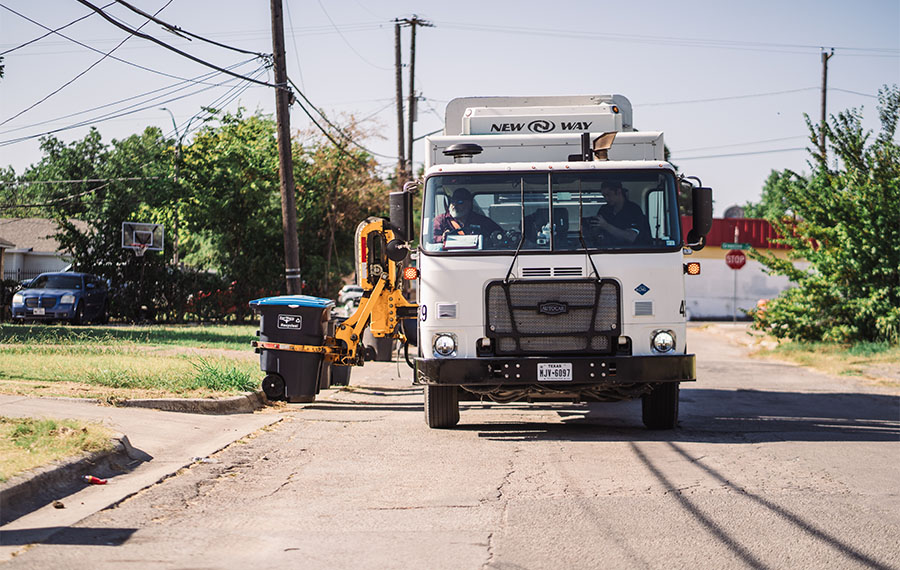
x=607 y=210
x=56 y=282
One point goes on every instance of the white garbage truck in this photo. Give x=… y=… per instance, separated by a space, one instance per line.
x=550 y=265
x=551 y=258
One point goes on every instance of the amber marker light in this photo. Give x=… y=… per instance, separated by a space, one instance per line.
x=410 y=273
x=692 y=268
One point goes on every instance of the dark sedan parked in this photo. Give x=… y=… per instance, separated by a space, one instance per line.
x=73 y=297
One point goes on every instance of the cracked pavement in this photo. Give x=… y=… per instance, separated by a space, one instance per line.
x=773 y=466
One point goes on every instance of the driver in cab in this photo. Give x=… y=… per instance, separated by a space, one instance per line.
x=620 y=221
x=462 y=220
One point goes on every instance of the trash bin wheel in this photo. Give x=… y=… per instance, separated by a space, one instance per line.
x=273 y=387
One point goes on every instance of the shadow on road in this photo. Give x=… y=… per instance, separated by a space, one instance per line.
x=66 y=535
x=716 y=416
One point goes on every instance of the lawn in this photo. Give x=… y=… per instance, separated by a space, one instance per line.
x=124 y=362
x=27 y=443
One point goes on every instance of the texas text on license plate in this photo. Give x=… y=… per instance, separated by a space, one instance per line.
x=554 y=371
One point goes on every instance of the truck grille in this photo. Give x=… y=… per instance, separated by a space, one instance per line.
x=552 y=316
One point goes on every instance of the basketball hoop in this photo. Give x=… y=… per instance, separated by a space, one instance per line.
x=140 y=249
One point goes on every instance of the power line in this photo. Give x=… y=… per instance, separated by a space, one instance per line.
x=174 y=88
x=112 y=21
x=92 y=66
x=335 y=127
x=345 y=39
x=681 y=158
x=713 y=99
x=58 y=200
x=294 y=41
x=51 y=32
x=182 y=32
x=741 y=144
x=121 y=179
x=671 y=40
x=109 y=116
x=93 y=49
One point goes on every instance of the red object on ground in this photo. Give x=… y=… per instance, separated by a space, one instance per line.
x=735 y=259
x=91 y=480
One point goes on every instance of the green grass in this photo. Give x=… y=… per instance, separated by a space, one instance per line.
x=128 y=362
x=236 y=337
x=26 y=443
x=866 y=359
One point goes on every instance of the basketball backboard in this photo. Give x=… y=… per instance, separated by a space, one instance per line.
x=138 y=235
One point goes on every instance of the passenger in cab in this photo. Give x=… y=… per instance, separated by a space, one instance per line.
x=619 y=222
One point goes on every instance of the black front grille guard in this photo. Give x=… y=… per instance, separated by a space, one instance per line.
x=612 y=332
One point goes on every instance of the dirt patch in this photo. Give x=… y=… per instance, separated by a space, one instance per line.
x=100 y=393
x=760 y=345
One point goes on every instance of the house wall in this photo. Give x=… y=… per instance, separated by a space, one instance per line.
x=20 y=265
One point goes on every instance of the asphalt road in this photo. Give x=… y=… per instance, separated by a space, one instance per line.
x=773 y=466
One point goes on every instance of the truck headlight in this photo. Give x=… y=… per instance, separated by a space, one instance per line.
x=662 y=341
x=444 y=344
x=67 y=299
x=18 y=299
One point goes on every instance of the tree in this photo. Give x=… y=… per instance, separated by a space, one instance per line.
x=339 y=190
x=846 y=224
x=233 y=208
x=124 y=181
x=774 y=200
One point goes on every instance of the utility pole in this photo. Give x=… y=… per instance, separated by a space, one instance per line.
x=293 y=280
x=401 y=161
x=822 y=121
x=412 y=22
x=180 y=137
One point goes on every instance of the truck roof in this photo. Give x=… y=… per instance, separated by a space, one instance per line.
x=539 y=166
x=541 y=114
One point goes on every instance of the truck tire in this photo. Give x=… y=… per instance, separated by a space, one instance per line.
x=441 y=406
x=660 y=407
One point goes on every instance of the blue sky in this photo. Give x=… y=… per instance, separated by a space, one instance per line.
x=719 y=78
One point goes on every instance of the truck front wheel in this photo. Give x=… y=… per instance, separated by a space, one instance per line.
x=441 y=406
x=660 y=407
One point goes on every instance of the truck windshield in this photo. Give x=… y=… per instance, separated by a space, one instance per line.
x=610 y=210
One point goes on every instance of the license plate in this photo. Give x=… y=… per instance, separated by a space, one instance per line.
x=38 y=311
x=554 y=371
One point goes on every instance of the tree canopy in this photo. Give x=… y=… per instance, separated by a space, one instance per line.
x=844 y=220
x=225 y=203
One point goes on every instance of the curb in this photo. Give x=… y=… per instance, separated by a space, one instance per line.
x=243 y=404
x=33 y=489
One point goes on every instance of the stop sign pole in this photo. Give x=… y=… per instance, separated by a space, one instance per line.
x=735 y=259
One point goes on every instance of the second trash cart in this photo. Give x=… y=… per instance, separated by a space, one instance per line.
x=292 y=320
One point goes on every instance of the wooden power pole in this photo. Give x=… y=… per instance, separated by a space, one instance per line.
x=822 y=123
x=293 y=279
x=401 y=161
x=412 y=22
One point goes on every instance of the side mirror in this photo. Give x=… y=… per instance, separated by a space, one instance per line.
x=701 y=198
x=401 y=214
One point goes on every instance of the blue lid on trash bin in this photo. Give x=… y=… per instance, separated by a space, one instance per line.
x=294 y=301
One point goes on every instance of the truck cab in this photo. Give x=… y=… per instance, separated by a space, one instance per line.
x=551 y=259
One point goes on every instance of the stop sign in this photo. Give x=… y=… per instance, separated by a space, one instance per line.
x=735 y=259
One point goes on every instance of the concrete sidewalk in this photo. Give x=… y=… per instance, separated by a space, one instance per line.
x=156 y=445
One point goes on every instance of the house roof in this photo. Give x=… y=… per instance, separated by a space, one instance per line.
x=35 y=234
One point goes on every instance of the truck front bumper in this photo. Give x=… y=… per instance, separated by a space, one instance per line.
x=586 y=370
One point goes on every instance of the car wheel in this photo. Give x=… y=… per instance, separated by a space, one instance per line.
x=103 y=317
x=79 y=314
